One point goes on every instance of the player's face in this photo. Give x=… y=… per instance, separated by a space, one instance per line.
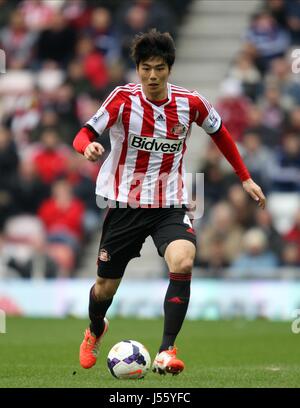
x=154 y=74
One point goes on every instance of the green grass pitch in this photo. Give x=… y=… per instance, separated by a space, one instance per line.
x=43 y=353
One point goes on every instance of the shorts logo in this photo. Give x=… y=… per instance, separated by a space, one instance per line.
x=186 y=220
x=103 y=255
x=178 y=129
x=155 y=145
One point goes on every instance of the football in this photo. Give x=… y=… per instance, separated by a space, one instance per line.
x=128 y=359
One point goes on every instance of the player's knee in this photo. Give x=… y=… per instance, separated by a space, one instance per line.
x=184 y=265
x=105 y=288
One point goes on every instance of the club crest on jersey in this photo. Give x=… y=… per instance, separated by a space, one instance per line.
x=178 y=129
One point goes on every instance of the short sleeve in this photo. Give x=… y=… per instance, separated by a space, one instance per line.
x=108 y=113
x=206 y=115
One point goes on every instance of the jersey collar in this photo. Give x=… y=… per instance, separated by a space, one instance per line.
x=169 y=97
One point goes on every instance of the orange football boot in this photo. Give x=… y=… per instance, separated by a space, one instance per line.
x=89 y=348
x=167 y=362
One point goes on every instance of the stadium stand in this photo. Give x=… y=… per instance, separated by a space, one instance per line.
x=51 y=87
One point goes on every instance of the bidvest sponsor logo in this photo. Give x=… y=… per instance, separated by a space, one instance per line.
x=155 y=145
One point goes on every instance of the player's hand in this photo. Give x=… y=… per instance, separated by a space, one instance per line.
x=255 y=192
x=93 y=151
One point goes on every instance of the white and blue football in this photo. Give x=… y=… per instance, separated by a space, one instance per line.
x=128 y=359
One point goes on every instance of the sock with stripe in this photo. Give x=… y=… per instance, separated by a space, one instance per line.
x=97 y=311
x=175 y=307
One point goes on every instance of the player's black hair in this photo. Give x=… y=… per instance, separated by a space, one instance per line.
x=153 y=44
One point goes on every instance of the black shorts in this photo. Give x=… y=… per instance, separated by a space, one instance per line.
x=126 y=229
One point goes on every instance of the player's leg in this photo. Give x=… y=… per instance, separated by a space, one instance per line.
x=179 y=256
x=175 y=240
x=117 y=248
x=101 y=297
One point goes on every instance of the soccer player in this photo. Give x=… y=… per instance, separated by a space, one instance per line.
x=142 y=180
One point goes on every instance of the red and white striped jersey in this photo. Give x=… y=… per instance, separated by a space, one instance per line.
x=148 y=143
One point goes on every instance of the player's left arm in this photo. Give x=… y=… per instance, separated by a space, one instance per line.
x=213 y=126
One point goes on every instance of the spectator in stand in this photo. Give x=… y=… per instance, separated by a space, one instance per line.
x=31 y=191
x=133 y=20
x=277 y=9
x=220 y=226
x=233 y=107
x=103 y=35
x=293 y=235
x=217 y=178
x=18 y=42
x=293 y=20
x=37 y=14
x=274 y=114
x=117 y=76
x=64 y=104
x=49 y=119
x=50 y=157
x=77 y=78
x=77 y=13
x=285 y=174
x=57 y=43
x=245 y=71
x=258 y=158
x=269 y=137
x=294 y=120
x=281 y=76
x=290 y=255
x=217 y=261
x=269 y=39
x=9 y=160
x=25 y=116
x=242 y=206
x=160 y=15
x=7 y=7
x=93 y=62
x=217 y=183
x=24 y=248
x=82 y=176
x=256 y=260
x=49 y=77
x=264 y=221
x=62 y=215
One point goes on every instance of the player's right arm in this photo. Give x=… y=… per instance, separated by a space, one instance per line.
x=85 y=140
x=210 y=121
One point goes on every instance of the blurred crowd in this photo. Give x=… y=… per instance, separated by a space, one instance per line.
x=62 y=59
x=259 y=102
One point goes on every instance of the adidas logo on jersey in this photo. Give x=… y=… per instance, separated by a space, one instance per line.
x=160 y=118
x=155 y=145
